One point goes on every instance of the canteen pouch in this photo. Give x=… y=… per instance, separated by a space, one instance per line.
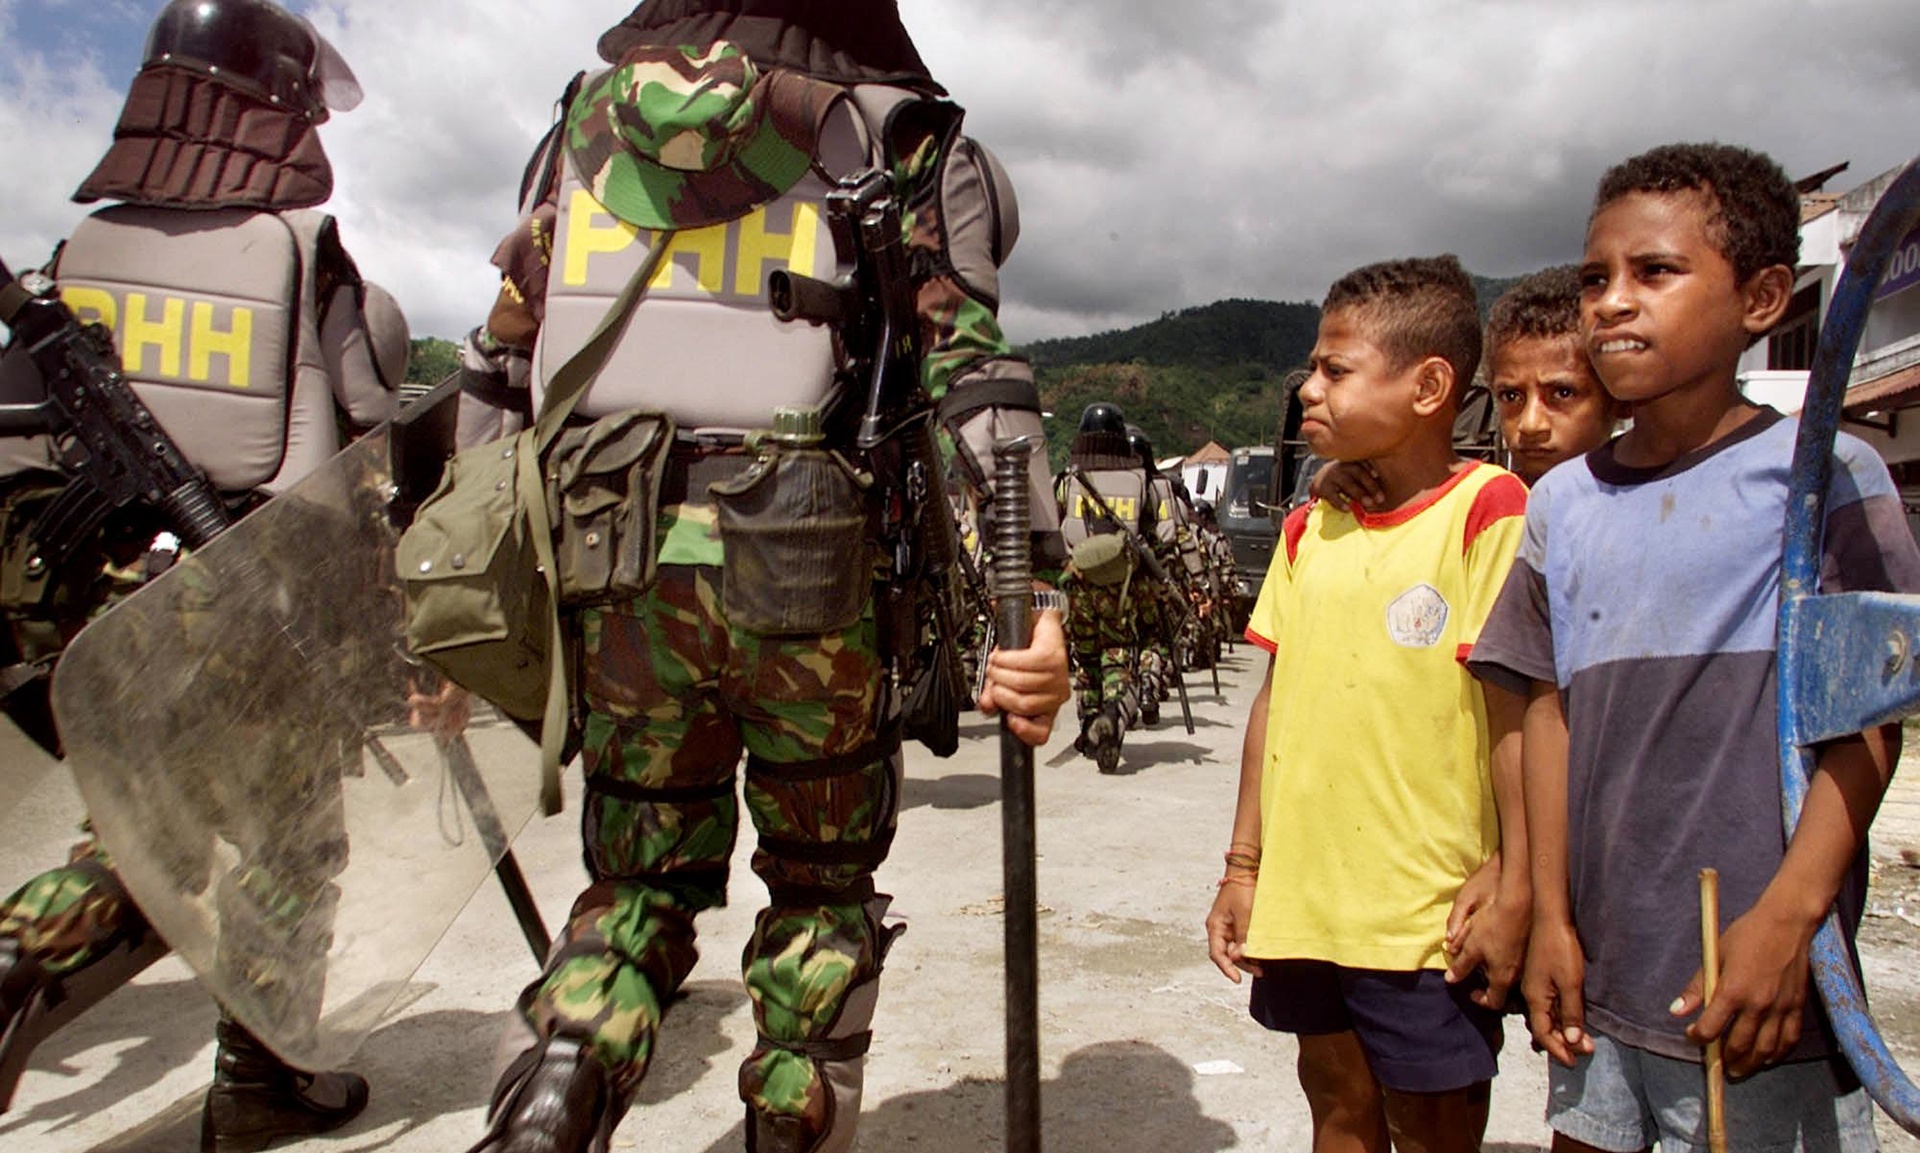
x=603 y=485
x=476 y=611
x=1105 y=559
x=793 y=533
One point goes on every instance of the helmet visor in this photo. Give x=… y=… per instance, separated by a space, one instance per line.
x=257 y=46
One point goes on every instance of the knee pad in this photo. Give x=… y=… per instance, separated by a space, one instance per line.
x=802 y=870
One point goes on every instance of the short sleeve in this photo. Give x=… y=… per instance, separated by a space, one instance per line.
x=1495 y=523
x=1515 y=643
x=1263 y=624
x=1869 y=545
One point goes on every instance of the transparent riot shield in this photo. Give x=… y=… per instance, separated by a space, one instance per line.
x=239 y=732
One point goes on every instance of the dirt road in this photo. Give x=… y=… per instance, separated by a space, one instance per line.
x=1145 y=1046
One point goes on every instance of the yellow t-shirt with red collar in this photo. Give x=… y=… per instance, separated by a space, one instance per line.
x=1376 y=796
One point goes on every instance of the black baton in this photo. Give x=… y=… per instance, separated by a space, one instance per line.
x=1013 y=590
x=458 y=758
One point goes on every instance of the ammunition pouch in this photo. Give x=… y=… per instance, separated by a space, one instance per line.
x=798 y=558
x=603 y=484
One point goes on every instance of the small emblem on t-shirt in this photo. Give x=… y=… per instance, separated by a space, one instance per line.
x=1417 y=617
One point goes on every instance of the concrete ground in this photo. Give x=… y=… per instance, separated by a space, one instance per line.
x=1145 y=1046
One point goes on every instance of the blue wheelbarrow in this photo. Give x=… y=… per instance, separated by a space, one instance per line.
x=1847 y=662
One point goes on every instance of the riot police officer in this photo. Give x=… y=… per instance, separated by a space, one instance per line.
x=1107 y=504
x=212 y=244
x=755 y=111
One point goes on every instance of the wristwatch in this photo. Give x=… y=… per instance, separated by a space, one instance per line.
x=1051 y=599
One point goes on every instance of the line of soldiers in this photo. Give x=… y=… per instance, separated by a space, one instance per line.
x=1149 y=581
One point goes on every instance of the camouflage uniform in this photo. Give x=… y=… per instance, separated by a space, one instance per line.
x=673 y=691
x=1112 y=619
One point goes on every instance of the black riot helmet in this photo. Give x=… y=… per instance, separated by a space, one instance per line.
x=1141 y=446
x=1102 y=416
x=258 y=47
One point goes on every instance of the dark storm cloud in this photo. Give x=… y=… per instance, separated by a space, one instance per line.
x=1166 y=155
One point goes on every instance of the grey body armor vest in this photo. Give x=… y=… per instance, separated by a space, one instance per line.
x=703 y=345
x=214 y=317
x=1125 y=492
x=1166 y=524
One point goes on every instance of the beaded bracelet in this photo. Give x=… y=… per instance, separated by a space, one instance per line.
x=1236 y=879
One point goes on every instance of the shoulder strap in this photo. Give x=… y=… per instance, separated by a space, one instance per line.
x=568 y=385
x=570 y=382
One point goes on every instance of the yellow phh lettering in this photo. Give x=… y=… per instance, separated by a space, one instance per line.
x=236 y=344
x=708 y=247
x=795 y=249
x=163 y=335
x=92 y=305
x=1124 y=507
x=591 y=231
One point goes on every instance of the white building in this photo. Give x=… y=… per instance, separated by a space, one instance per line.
x=1883 y=399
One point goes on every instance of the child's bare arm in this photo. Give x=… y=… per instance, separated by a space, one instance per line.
x=1556 y=967
x=1344 y=484
x=1232 y=908
x=1757 y=1007
x=1494 y=934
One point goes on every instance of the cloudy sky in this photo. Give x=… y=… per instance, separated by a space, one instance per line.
x=1166 y=154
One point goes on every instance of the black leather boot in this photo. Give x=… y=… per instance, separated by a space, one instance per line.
x=20 y=980
x=1106 y=732
x=555 y=1098
x=257 y=1098
x=34 y=1004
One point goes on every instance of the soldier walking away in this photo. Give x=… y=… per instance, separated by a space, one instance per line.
x=212 y=248
x=737 y=135
x=1160 y=655
x=1104 y=496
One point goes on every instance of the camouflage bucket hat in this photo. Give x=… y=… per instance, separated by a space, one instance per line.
x=688 y=137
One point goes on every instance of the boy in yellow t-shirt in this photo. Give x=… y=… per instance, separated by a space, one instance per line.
x=1382 y=774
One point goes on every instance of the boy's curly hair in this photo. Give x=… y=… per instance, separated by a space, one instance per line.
x=1755 y=214
x=1543 y=306
x=1416 y=308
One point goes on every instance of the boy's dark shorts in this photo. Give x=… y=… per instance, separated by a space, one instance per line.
x=1420 y=1034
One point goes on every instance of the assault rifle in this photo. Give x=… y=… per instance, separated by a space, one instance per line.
x=873 y=310
x=1159 y=573
x=110 y=444
x=117 y=454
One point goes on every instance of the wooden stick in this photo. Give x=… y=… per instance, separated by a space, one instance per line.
x=1710 y=966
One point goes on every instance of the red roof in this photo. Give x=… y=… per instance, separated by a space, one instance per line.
x=1885 y=394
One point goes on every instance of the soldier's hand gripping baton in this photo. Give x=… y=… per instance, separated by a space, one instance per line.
x=1013 y=588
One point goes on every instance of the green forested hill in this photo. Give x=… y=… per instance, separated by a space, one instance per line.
x=430 y=359
x=1213 y=372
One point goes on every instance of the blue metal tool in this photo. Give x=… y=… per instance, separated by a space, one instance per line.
x=1847 y=661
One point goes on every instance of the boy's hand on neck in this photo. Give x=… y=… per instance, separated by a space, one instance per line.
x=1410 y=475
